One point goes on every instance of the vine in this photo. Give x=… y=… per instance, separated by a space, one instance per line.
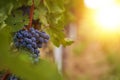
x=28 y=22
x=31 y=15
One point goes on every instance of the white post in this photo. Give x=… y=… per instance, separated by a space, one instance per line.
x=58 y=57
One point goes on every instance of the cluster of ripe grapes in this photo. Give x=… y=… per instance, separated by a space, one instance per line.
x=8 y=76
x=12 y=77
x=31 y=40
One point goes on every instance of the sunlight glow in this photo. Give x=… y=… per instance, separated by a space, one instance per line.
x=108 y=18
x=97 y=4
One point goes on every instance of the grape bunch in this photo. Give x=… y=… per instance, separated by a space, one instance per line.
x=31 y=40
x=4 y=75
x=12 y=77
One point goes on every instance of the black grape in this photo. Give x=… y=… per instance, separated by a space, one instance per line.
x=41 y=40
x=31 y=40
x=12 y=77
x=34 y=45
x=45 y=40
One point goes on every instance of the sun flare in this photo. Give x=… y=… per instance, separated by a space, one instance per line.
x=97 y=4
x=108 y=18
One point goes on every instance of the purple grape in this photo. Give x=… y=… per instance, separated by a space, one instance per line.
x=37 y=31
x=24 y=44
x=29 y=46
x=32 y=50
x=36 y=35
x=45 y=40
x=25 y=34
x=27 y=40
x=36 y=51
x=12 y=77
x=22 y=31
x=46 y=36
x=41 y=34
x=32 y=29
x=33 y=39
x=33 y=32
x=34 y=44
x=41 y=40
x=29 y=35
x=19 y=35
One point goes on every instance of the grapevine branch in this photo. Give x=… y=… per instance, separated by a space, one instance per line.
x=31 y=15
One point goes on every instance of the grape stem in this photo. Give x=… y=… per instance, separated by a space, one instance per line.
x=31 y=15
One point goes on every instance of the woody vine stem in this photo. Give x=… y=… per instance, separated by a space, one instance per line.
x=31 y=15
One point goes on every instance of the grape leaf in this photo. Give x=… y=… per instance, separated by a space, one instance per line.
x=55 y=17
x=54 y=6
x=6 y=7
x=17 y=20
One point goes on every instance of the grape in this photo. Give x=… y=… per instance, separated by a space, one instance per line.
x=24 y=44
x=12 y=77
x=47 y=36
x=36 y=35
x=41 y=39
x=32 y=50
x=27 y=40
x=32 y=29
x=33 y=32
x=34 y=45
x=45 y=40
x=37 y=51
x=37 y=31
x=19 y=35
x=21 y=31
x=25 y=34
x=29 y=46
x=41 y=34
x=29 y=35
x=31 y=40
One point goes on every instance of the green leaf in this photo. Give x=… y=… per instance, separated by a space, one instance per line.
x=4 y=11
x=68 y=41
x=54 y=6
x=18 y=21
